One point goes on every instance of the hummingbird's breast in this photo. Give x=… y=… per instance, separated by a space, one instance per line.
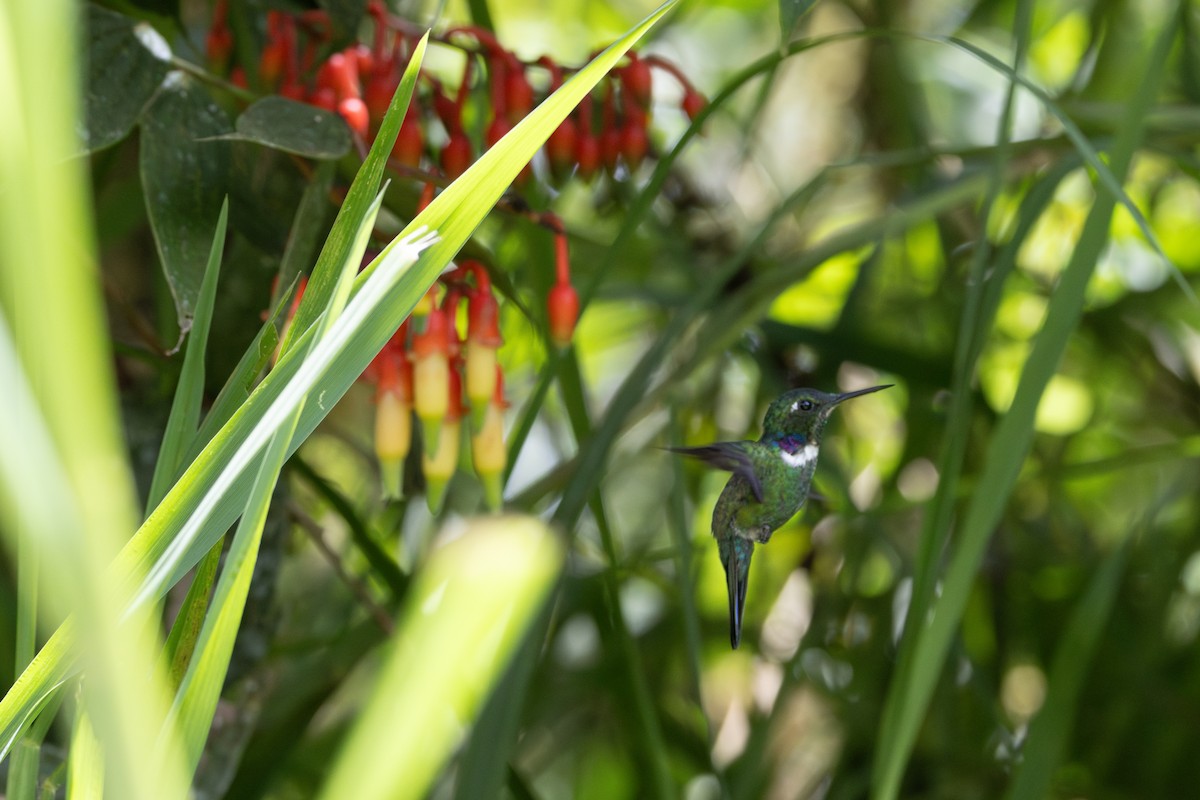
x=785 y=476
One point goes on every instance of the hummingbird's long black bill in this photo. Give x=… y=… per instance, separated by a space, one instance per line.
x=860 y=392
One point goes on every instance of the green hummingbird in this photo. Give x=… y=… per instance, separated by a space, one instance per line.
x=770 y=482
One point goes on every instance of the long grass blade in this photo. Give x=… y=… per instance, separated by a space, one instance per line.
x=1050 y=728
x=1007 y=450
x=196 y=701
x=184 y=418
x=467 y=611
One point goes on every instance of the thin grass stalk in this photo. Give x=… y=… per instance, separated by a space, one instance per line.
x=646 y=726
x=1009 y=446
x=973 y=326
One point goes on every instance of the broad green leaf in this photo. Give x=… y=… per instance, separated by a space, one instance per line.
x=457 y=212
x=184 y=418
x=126 y=63
x=468 y=609
x=1006 y=452
x=85 y=769
x=292 y=127
x=184 y=183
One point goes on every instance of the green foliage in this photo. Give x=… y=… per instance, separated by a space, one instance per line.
x=997 y=592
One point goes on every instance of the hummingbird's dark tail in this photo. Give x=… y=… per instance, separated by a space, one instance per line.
x=736 y=557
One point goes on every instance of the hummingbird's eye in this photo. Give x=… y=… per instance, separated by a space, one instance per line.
x=806 y=405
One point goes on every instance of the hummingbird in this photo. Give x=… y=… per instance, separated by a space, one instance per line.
x=770 y=482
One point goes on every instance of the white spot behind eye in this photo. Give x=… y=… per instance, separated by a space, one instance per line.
x=795 y=406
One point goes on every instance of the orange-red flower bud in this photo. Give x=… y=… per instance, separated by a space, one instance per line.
x=354 y=112
x=560 y=147
x=410 y=142
x=587 y=154
x=693 y=103
x=324 y=97
x=562 y=304
x=634 y=144
x=637 y=81
x=610 y=148
x=518 y=95
x=456 y=155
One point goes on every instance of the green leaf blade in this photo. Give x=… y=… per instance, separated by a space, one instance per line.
x=184 y=182
x=292 y=127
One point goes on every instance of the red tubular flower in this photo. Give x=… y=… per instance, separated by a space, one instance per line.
x=634 y=142
x=456 y=155
x=610 y=134
x=218 y=45
x=364 y=59
x=439 y=461
x=483 y=340
x=342 y=75
x=324 y=97
x=693 y=103
x=354 y=111
x=381 y=85
x=561 y=147
x=431 y=370
x=587 y=147
x=410 y=142
x=518 y=94
x=562 y=304
x=636 y=80
x=393 y=413
x=440 y=457
x=488 y=453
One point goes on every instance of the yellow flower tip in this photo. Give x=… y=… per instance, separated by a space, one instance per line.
x=493 y=490
x=479 y=412
x=435 y=493
x=431 y=434
x=487 y=445
x=393 y=427
x=391 y=473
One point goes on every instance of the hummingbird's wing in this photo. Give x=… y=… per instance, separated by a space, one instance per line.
x=732 y=456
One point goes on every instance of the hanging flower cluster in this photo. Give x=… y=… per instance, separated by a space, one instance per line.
x=608 y=128
x=427 y=373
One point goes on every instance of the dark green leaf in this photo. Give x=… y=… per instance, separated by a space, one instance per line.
x=345 y=14
x=122 y=75
x=293 y=127
x=790 y=14
x=184 y=181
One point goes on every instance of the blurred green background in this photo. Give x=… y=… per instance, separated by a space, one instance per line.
x=868 y=201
